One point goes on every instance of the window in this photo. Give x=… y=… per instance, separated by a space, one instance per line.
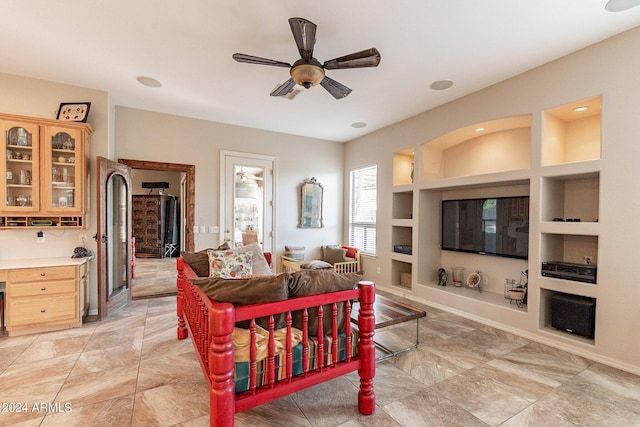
x=362 y=209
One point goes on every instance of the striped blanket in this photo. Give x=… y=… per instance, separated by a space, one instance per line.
x=241 y=373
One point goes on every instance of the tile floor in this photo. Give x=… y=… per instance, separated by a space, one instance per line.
x=124 y=372
x=154 y=277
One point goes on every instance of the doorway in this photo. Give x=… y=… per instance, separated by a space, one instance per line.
x=113 y=236
x=247 y=194
x=154 y=267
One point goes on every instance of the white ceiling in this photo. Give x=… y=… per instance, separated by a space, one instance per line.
x=187 y=45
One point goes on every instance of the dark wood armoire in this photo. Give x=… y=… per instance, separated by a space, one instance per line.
x=149 y=225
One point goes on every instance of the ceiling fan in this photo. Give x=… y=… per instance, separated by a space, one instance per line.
x=308 y=71
x=245 y=177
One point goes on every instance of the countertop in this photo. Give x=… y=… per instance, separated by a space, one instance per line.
x=11 y=264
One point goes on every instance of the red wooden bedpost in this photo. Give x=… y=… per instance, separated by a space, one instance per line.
x=183 y=332
x=366 y=348
x=221 y=364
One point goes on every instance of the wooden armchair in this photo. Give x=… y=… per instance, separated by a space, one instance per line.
x=288 y=264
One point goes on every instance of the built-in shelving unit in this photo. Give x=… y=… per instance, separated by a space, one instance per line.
x=402 y=219
x=571 y=133
x=569 y=201
x=403 y=167
x=569 y=248
x=402 y=205
x=481 y=149
x=556 y=164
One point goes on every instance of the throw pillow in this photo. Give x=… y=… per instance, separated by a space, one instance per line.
x=230 y=264
x=312 y=282
x=333 y=254
x=295 y=252
x=199 y=261
x=248 y=290
x=351 y=252
x=315 y=264
x=259 y=262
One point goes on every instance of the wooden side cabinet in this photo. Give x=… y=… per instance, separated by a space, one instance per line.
x=48 y=297
x=43 y=163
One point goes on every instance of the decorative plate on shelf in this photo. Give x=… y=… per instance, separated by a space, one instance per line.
x=74 y=112
x=473 y=280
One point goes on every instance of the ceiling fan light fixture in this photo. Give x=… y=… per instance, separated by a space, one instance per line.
x=621 y=5
x=307 y=75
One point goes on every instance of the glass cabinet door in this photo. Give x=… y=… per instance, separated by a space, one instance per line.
x=62 y=170
x=19 y=167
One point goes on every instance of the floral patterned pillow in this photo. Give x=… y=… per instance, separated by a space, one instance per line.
x=230 y=264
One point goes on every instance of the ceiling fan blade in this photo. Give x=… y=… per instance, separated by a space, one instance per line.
x=338 y=90
x=241 y=57
x=304 y=33
x=362 y=59
x=284 y=88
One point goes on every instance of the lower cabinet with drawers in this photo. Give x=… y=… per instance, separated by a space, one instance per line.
x=47 y=296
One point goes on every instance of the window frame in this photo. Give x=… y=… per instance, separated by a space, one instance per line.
x=368 y=227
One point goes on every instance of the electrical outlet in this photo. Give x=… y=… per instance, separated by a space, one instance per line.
x=82 y=237
x=485 y=281
x=40 y=237
x=588 y=259
x=203 y=229
x=195 y=229
x=213 y=229
x=378 y=270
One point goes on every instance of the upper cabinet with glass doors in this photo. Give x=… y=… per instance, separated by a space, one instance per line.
x=44 y=165
x=20 y=166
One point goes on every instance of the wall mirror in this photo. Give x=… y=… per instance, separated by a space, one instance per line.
x=311 y=204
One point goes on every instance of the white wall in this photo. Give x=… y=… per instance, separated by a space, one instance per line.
x=610 y=69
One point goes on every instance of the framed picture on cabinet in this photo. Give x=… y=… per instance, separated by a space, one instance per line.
x=74 y=111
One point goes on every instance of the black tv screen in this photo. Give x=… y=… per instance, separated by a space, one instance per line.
x=491 y=226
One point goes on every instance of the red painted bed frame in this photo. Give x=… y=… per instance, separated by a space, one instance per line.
x=210 y=325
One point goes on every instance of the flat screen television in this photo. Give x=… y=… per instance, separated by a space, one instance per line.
x=490 y=226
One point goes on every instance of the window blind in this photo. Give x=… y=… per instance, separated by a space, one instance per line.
x=362 y=208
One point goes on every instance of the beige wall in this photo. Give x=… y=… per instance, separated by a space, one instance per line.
x=38 y=98
x=143 y=135
x=610 y=69
x=138 y=176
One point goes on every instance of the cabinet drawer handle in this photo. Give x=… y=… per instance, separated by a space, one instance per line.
x=43 y=289
x=43 y=274
x=43 y=310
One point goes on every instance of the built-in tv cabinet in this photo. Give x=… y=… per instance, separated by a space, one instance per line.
x=553 y=156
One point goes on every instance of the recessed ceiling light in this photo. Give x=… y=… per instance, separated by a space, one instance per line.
x=583 y=108
x=149 y=81
x=441 y=84
x=621 y=5
x=358 y=125
x=479 y=129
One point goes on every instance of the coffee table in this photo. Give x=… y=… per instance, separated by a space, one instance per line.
x=389 y=313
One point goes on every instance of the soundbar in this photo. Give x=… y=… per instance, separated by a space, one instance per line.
x=569 y=271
